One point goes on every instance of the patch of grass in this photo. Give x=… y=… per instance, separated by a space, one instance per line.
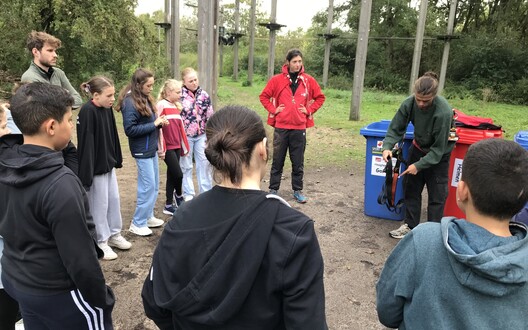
x=335 y=140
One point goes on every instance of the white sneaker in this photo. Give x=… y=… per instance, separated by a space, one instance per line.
x=400 y=232
x=109 y=254
x=119 y=242
x=141 y=231
x=154 y=222
x=188 y=197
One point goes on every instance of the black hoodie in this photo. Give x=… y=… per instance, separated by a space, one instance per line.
x=48 y=232
x=234 y=259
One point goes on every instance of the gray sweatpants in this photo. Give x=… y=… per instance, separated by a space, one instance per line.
x=105 y=207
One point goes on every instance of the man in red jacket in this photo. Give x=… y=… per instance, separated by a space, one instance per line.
x=291 y=98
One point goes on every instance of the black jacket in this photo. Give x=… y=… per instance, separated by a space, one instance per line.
x=98 y=144
x=234 y=259
x=48 y=232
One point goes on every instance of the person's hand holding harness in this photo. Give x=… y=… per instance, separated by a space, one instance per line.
x=386 y=155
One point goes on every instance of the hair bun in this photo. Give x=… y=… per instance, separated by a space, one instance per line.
x=431 y=74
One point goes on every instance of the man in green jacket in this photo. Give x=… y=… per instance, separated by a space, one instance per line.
x=43 y=47
x=428 y=160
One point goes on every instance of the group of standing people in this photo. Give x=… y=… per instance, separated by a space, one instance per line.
x=51 y=268
x=42 y=109
x=233 y=256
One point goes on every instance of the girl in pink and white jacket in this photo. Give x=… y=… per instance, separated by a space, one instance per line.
x=197 y=109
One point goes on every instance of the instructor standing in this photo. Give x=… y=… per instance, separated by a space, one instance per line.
x=291 y=98
x=43 y=49
x=428 y=161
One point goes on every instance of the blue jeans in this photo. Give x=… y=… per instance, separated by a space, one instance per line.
x=203 y=168
x=147 y=190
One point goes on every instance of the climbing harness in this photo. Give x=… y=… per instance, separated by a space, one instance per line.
x=388 y=190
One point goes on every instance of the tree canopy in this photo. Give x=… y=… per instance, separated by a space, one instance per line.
x=488 y=61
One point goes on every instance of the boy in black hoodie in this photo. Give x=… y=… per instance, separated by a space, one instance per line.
x=49 y=262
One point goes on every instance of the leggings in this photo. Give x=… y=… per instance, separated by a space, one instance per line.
x=174 y=175
x=8 y=311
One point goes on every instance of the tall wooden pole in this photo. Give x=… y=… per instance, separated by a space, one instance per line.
x=168 y=34
x=361 y=58
x=208 y=46
x=251 y=43
x=235 y=46
x=220 y=46
x=418 y=45
x=328 y=42
x=445 y=56
x=272 y=40
x=175 y=37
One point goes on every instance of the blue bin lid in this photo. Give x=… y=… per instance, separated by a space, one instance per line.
x=522 y=138
x=379 y=129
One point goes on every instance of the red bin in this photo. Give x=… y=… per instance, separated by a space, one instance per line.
x=467 y=136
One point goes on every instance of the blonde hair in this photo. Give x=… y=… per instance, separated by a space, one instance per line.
x=186 y=71
x=168 y=85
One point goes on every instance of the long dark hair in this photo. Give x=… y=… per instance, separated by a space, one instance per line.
x=142 y=102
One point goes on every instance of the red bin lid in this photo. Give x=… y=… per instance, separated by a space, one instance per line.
x=472 y=135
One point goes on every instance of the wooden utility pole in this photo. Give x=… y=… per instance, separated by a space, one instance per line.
x=168 y=34
x=361 y=58
x=272 y=40
x=445 y=56
x=251 y=42
x=221 y=33
x=418 y=45
x=235 y=46
x=175 y=37
x=328 y=42
x=208 y=46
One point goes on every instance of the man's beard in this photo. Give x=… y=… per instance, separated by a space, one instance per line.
x=47 y=64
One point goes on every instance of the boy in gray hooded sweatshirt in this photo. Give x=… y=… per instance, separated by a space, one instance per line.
x=466 y=274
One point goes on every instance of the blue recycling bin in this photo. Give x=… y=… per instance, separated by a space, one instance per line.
x=522 y=138
x=374 y=166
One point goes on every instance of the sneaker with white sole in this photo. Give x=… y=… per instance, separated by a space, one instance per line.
x=154 y=222
x=299 y=197
x=400 y=232
x=109 y=254
x=140 y=231
x=169 y=209
x=119 y=242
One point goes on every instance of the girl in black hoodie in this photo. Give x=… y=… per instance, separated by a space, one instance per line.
x=235 y=257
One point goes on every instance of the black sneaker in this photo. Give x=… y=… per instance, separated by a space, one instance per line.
x=169 y=210
x=179 y=201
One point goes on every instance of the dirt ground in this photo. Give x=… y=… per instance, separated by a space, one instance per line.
x=354 y=246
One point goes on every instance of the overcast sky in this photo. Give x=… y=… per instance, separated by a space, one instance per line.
x=293 y=13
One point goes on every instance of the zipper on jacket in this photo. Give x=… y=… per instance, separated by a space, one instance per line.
x=146 y=146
